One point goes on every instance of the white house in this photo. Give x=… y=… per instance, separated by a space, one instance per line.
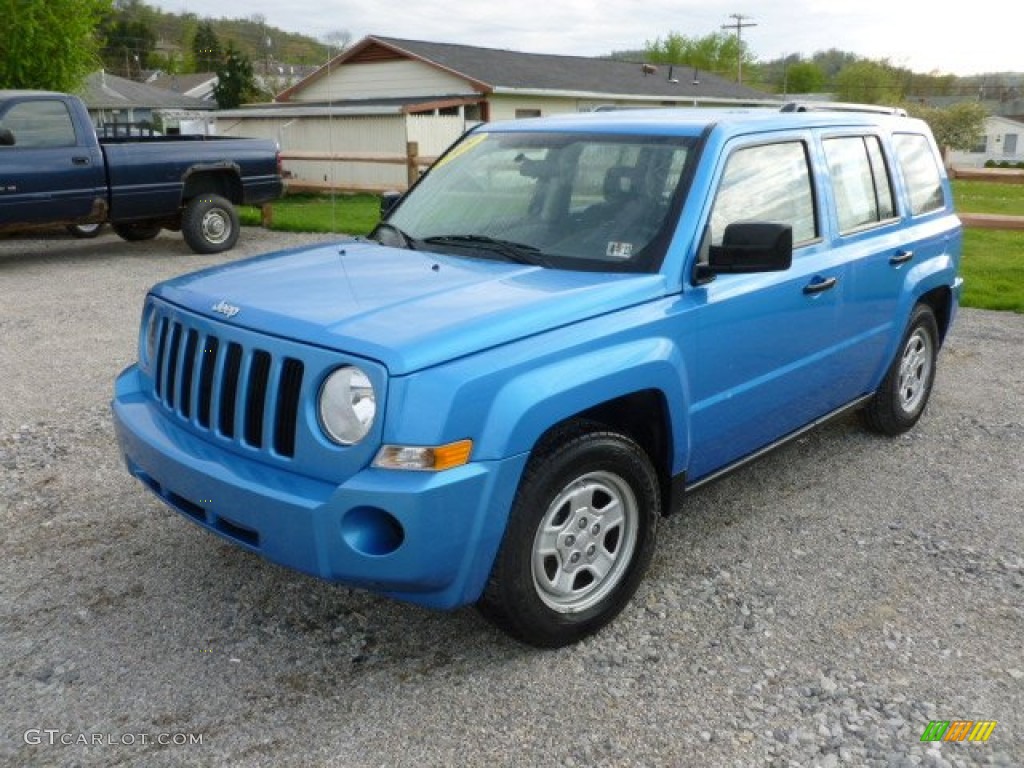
x=375 y=97
x=1003 y=140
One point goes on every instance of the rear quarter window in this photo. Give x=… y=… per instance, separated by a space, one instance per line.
x=920 y=170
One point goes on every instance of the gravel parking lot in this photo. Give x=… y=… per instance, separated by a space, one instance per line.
x=817 y=608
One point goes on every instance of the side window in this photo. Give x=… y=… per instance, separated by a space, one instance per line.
x=920 y=171
x=40 y=124
x=860 y=181
x=768 y=182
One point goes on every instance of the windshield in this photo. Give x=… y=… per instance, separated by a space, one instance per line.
x=566 y=200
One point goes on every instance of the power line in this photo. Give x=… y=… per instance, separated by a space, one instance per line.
x=739 y=26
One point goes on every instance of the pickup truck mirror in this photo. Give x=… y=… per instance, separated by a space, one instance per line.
x=752 y=246
x=388 y=201
x=6 y=137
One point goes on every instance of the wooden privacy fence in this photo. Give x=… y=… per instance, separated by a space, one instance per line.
x=412 y=160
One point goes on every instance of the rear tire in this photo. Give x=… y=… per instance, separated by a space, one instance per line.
x=903 y=394
x=136 y=231
x=85 y=231
x=210 y=224
x=580 y=536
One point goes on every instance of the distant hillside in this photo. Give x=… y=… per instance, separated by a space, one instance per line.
x=161 y=37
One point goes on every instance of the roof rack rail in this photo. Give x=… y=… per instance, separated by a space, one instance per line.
x=838 y=106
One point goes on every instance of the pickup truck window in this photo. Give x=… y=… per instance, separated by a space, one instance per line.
x=566 y=200
x=920 y=172
x=860 y=181
x=40 y=124
x=767 y=182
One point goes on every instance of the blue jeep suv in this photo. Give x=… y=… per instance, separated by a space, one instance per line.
x=564 y=325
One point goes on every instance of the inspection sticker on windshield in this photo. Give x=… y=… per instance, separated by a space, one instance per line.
x=619 y=250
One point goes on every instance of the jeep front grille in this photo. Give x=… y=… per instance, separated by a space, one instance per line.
x=246 y=395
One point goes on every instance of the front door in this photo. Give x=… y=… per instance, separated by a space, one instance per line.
x=49 y=173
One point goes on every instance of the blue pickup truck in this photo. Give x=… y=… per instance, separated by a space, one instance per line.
x=54 y=170
x=563 y=326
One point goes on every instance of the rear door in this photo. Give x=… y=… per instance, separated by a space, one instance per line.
x=53 y=171
x=884 y=236
x=767 y=353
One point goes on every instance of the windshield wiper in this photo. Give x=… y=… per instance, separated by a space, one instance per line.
x=520 y=253
x=407 y=241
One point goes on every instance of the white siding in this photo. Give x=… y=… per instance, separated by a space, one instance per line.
x=434 y=134
x=384 y=79
x=383 y=134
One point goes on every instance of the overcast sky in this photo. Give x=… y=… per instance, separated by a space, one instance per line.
x=977 y=37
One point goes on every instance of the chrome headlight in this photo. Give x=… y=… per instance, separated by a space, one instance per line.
x=347 y=405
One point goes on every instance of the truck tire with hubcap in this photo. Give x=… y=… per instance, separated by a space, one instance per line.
x=210 y=224
x=580 y=536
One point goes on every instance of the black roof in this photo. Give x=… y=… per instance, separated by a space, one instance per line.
x=514 y=69
x=493 y=69
x=105 y=91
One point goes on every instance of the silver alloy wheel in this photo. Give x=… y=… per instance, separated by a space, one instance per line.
x=585 y=542
x=915 y=370
x=216 y=226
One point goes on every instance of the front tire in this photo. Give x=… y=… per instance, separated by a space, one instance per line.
x=903 y=394
x=580 y=536
x=210 y=224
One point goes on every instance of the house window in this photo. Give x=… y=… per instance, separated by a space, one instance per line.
x=980 y=145
x=1010 y=144
x=522 y=114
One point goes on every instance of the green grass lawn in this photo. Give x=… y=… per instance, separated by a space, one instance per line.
x=349 y=214
x=992 y=265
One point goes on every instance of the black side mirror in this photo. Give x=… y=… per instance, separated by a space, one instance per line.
x=388 y=201
x=6 y=137
x=752 y=246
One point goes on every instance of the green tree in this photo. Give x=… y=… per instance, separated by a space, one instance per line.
x=127 y=43
x=206 y=49
x=717 y=52
x=236 y=84
x=50 y=45
x=868 y=82
x=956 y=127
x=803 y=77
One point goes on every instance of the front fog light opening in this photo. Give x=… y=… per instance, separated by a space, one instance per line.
x=348 y=405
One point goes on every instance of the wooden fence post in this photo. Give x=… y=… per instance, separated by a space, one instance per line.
x=412 y=160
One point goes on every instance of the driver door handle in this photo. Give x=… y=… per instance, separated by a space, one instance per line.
x=820 y=285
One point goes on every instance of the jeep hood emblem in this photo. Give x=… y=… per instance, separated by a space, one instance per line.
x=228 y=310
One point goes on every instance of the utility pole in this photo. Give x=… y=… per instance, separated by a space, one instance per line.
x=741 y=23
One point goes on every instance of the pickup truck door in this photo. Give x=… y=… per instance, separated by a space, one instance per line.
x=768 y=344
x=52 y=172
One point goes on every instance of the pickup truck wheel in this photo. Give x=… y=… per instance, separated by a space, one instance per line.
x=135 y=232
x=901 y=398
x=580 y=537
x=85 y=231
x=210 y=224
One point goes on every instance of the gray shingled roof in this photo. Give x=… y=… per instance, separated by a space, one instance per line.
x=500 y=68
x=105 y=91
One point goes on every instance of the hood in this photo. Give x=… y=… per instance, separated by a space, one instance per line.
x=406 y=309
